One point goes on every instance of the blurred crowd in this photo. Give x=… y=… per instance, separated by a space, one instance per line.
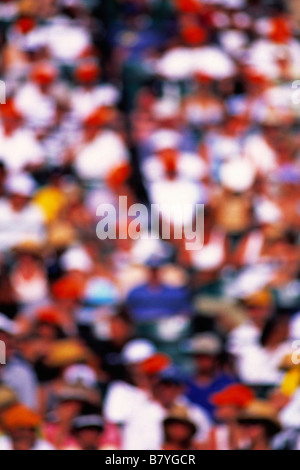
x=142 y=344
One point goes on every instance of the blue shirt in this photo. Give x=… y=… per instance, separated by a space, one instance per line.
x=201 y=394
x=148 y=303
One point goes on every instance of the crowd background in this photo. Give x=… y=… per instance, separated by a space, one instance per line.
x=142 y=344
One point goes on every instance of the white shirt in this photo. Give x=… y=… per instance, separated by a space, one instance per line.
x=177 y=200
x=101 y=156
x=37 y=108
x=189 y=166
x=143 y=417
x=18 y=227
x=19 y=150
x=260 y=366
x=84 y=102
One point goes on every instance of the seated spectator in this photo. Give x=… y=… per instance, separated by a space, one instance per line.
x=209 y=377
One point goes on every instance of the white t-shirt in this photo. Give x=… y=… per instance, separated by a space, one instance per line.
x=98 y=158
x=19 y=150
x=84 y=102
x=37 y=108
x=19 y=227
x=143 y=417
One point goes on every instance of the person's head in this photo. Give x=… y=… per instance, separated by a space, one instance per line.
x=72 y=399
x=275 y=332
x=47 y=325
x=259 y=422
x=20 y=188
x=87 y=428
x=121 y=328
x=231 y=401
x=44 y=74
x=179 y=428
x=21 y=424
x=11 y=118
x=259 y=307
x=205 y=350
x=167 y=391
x=88 y=73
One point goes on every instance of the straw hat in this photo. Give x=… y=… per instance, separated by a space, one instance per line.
x=67 y=352
x=180 y=414
x=260 y=411
x=8 y=397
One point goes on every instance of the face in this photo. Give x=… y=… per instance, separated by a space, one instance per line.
x=178 y=432
x=205 y=363
x=18 y=202
x=253 y=431
x=259 y=315
x=68 y=410
x=120 y=330
x=23 y=438
x=168 y=393
x=226 y=414
x=89 y=438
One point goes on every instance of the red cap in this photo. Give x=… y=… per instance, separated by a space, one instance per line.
x=118 y=176
x=87 y=72
x=280 y=30
x=68 y=288
x=189 y=6
x=234 y=395
x=99 y=117
x=155 y=364
x=25 y=24
x=9 y=111
x=193 y=34
x=48 y=315
x=44 y=73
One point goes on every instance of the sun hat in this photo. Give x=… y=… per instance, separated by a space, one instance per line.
x=204 y=343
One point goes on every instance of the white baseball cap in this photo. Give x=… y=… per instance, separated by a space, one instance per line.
x=76 y=259
x=21 y=184
x=237 y=175
x=137 y=351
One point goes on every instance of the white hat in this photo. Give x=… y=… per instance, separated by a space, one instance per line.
x=137 y=351
x=76 y=259
x=204 y=343
x=165 y=108
x=268 y=213
x=237 y=175
x=6 y=325
x=165 y=139
x=80 y=375
x=21 y=184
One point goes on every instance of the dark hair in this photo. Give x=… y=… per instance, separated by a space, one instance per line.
x=270 y=326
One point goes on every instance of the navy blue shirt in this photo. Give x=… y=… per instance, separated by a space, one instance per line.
x=201 y=394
